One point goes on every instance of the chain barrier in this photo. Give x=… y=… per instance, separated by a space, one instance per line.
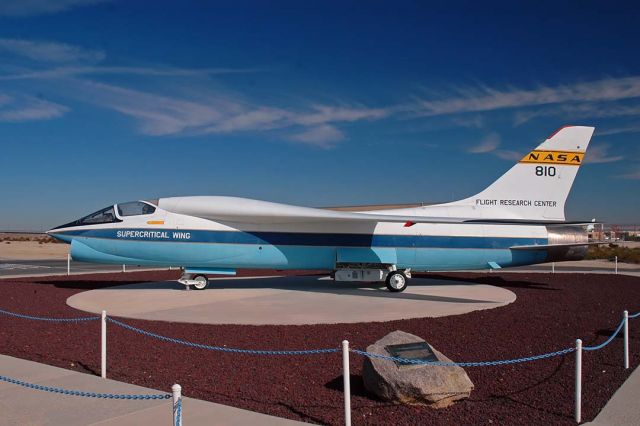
x=31 y=317
x=220 y=348
x=635 y=315
x=605 y=343
x=82 y=393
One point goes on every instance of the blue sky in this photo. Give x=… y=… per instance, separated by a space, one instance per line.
x=313 y=103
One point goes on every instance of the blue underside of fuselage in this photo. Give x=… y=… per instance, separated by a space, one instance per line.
x=285 y=250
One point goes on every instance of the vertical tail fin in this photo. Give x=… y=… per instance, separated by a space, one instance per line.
x=537 y=187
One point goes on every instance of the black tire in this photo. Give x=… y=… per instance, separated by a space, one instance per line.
x=396 y=282
x=203 y=279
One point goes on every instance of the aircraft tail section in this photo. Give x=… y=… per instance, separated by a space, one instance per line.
x=537 y=187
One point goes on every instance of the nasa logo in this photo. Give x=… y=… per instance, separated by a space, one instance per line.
x=554 y=157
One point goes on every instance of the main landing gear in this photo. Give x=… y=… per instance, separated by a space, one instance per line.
x=395 y=279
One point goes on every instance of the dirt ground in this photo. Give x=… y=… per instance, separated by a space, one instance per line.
x=32 y=250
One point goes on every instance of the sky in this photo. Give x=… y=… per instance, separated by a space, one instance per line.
x=310 y=103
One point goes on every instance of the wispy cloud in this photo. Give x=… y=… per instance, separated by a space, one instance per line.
x=632 y=175
x=39 y=7
x=156 y=115
x=635 y=128
x=324 y=114
x=29 y=109
x=509 y=155
x=575 y=110
x=597 y=154
x=47 y=51
x=159 y=115
x=489 y=144
x=486 y=98
x=61 y=72
x=324 y=136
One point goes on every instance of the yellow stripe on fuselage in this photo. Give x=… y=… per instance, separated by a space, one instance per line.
x=568 y=158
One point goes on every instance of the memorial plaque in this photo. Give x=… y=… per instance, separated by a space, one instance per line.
x=417 y=351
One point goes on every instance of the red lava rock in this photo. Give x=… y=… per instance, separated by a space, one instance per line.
x=551 y=311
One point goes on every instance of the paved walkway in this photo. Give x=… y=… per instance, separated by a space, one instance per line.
x=24 y=406
x=290 y=300
x=622 y=409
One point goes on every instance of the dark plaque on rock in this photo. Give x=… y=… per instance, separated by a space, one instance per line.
x=419 y=351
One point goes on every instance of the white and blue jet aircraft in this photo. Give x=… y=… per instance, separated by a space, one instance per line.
x=518 y=220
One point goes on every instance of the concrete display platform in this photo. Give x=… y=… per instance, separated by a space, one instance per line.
x=290 y=300
x=24 y=406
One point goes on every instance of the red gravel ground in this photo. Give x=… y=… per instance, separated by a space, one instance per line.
x=550 y=312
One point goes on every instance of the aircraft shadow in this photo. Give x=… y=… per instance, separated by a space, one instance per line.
x=309 y=285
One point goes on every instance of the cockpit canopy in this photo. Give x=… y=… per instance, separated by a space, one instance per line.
x=105 y=215
x=108 y=214
x=135 y=208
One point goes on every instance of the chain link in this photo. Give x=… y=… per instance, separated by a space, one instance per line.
x=463 y=364
x=605 y=343
x=31 y=317
x=219 y=348
x=82 y=393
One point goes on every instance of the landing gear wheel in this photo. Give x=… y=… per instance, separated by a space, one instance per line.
x=396 y=281
x=201 y=282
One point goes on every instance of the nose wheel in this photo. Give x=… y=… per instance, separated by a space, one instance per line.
x=201 y=282
x=396 y=281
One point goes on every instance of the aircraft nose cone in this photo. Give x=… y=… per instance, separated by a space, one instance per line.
x=59 y=235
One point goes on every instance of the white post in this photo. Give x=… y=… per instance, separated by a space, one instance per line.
x=553 y=267
x=124 y=268
x=103 y=346
x=578 y=417
x=616 y=265
x=626 y=339
x=176 y=390
x=68 y=264
x=346 y=378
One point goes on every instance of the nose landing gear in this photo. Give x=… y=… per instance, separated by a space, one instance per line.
x=199 y=282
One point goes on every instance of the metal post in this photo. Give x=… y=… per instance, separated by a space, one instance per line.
x=346 y=378
x=616 y=265
x=553 y=267
x=103 y=346
x=68 y=264
x=626 y=339
x=124 y=268
x=176 y=390
x=578 y=417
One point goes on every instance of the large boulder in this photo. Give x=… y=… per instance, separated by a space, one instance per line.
x=432 y=385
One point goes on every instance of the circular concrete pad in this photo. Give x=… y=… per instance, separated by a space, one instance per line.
x=290 y=300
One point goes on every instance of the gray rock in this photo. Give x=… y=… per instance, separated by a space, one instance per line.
x=435 y=386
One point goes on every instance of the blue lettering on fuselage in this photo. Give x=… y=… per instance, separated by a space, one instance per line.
x=152 y=235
